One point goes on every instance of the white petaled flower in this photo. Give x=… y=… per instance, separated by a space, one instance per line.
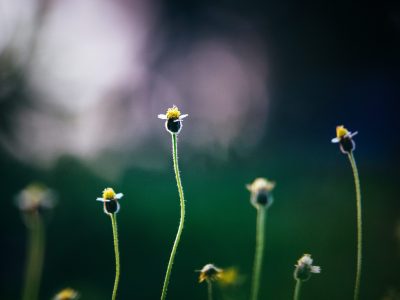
x=345 y=139
x=210 y=273
x=173 y=119
x=260 y=190
x=110 y=200
x=304 y=268
x=35 y=197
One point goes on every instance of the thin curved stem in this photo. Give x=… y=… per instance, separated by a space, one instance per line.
x=34 y=264
x=209 y=290
x=359 y=225
x=116 y=250
x=260 y=240
x=182 y=219
x=297 y=290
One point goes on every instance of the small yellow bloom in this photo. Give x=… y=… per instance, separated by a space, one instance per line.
x=110 y=201
x=229 y=276
x=345 y=139
x=108 y=194
x=67 y=294
x=174 y=118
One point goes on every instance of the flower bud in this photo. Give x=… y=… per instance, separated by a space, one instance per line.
x=260 y=190
x=304 y=268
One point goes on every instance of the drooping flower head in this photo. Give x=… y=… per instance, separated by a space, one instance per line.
x=35 y=197
x=173 y=117
x=345 y=139
x=67 y=294
x=210 y=273
x=304 y=268
x=260 y=190
x=110 y=200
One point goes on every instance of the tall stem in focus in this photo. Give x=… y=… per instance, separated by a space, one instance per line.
x=260 y=239
x=359 y=225
x=116 y=250
x=182 y=218
x=35 y=255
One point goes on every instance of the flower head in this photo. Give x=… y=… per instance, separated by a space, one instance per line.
x=304 y=268
x=173 y=117
x=210 y=273
x=35 y=197
x=67 y=294
x=229 y=276
x=110 y=200
x=345 y=139
x=260 y=191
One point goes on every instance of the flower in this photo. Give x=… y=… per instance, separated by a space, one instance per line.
x=67 y=294
x=173 y=117
x=110 y=200
x=304 y=268
x=345 y=139
x=35 y=197
x=260 y=191
x=210 y=273
x=229 y=276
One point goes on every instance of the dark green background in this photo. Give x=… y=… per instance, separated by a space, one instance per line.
x=331 y=63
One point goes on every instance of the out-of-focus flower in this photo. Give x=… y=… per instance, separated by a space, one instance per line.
x=260 y=191
x=67 y=294
x=223 y=277
x=229 y=276
x=304 y=268
x=110 y=200
x=345 y=139
x=210 y=273
x=34 y=197
x=173 y=117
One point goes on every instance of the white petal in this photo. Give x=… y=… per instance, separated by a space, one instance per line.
x=102 y=200
x=119 y=196
x=183 y=116
x=335 y=140
x=353 y=134
x=315 y=269
x=162 y=116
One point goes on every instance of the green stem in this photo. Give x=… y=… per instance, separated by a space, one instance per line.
x=182 y=219
x=209 y=290
x=297 y=290
x=260 y=239
x=359 y=225
x=116 y=250
x=34 y=264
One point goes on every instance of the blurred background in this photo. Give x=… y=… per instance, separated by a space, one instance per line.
x=264 y=84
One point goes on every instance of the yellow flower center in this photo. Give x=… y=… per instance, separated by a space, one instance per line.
x=341 y=131
x=173 y=113
x=108 y=194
